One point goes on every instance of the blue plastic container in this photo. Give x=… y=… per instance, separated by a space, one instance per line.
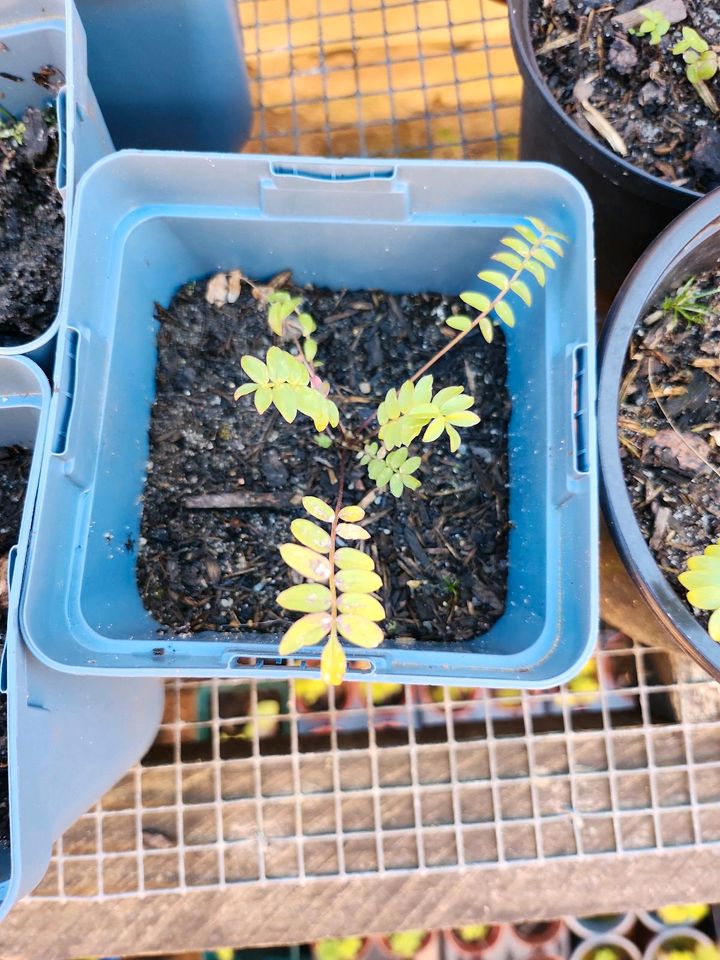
x=169 y=74
x=39 y=33
x=69 y=737
x=147 y=223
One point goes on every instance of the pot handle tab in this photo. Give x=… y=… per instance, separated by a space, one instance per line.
x=335 y=191
x=580 y=410
x=61 y=166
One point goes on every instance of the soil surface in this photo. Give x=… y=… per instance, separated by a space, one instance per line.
x=669 y=429
x=14 y=470
x=640 y=89
x=31 y=228
x=441 y=551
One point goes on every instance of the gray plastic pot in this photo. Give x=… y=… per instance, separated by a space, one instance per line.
x=688 y=246
x=69 y=738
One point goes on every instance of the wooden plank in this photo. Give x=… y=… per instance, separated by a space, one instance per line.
x=258 y=915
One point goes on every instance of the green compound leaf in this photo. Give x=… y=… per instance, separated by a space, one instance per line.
x=508 y=259
x=459 y=323
x=521 y=289
x=306 y=598
x=495 y=278
x=309 y=534
x=478 y=301
x=505 y=313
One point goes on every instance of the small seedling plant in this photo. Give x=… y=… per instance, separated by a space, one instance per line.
x=700 y=59
x=338 y=600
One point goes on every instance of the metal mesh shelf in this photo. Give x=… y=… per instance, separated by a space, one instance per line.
x=363 y=818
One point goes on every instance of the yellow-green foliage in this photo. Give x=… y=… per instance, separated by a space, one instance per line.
x=406 y=412
x=346 y=948
x=473 y=933
x=701 y=60
x=381 y=693
x=654 y=26
x=395 y=468
x=682 y=914
x=530 y=251
x=702 y=582
x=338 y=601
x=283 y=381
x=406 y=943
x=310 y=691
x=285 y=317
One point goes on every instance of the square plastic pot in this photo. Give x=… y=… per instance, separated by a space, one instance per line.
x=147 y=223
x=69 y=738
x=37 y=33
x=198 y=97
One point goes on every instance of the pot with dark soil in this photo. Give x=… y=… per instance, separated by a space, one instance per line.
x=33 y=225
x=659 y=403
x=624 y=95
x=349 y=454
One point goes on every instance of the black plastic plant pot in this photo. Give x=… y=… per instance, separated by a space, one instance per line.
x=687 y=247
x=631 y=206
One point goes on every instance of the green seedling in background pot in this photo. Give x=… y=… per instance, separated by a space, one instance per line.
x=689 y=302
x=654 y=26
x=701 y=64
x=338 y=601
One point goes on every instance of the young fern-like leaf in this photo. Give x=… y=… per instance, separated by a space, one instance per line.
x=404 y=414
x=338 y=601
x=395 y=468
x=702 y=582
x=530 y=252
x=283 y=381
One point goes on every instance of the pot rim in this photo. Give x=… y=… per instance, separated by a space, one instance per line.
x=689 y=232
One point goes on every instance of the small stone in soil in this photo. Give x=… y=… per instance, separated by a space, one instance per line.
x=622 y=56
x=705 y=160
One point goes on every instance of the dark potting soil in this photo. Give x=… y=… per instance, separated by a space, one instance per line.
x=669 y=429
x=31 y=228
x=14 y=470
x=640 y=89
x=441 y=552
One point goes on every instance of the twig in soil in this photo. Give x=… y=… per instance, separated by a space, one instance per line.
x=675 y=430
x=673 y=10
x=237 y=501
x=564 y=40
x=583 y=90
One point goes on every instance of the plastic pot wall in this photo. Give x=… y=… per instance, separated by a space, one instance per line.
x=631 y=206
x=198 y=97
x=69 y=738
x=149 y=222
x=689 y=246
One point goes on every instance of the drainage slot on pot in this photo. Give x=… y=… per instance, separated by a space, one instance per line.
x=580 y=410
x=68 y=392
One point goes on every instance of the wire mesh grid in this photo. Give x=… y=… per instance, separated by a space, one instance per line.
x=624 y=759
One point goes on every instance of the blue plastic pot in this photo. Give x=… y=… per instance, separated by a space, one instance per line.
x=37 y=33
x=146 y=223
x=169 y=74
x=69 y=738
